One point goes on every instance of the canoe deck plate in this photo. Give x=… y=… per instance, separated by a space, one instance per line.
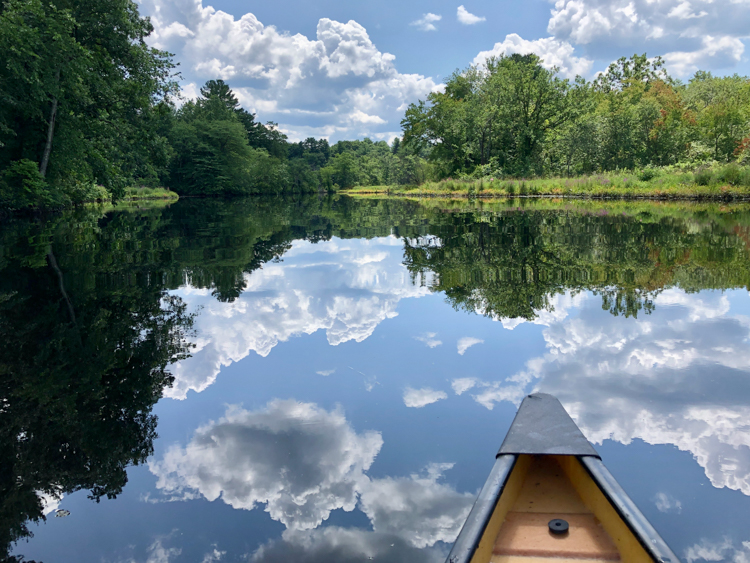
x=543 y=427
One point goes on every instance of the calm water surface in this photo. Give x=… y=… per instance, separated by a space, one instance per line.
x=354 y=366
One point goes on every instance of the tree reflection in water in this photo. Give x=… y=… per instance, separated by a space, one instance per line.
x=85 y=347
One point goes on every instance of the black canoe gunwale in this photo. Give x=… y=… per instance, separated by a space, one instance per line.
x=542 y=426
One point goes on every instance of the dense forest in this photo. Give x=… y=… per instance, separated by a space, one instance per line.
x=88 y=109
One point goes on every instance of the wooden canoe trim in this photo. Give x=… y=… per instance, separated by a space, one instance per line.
x=541 y=488
x=526 y=534
x=504 y=504
x=628 y=545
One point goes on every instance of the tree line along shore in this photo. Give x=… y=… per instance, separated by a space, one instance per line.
x=91 y=112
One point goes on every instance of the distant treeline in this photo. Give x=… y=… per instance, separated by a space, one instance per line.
x=219 y=148
x=88 y=109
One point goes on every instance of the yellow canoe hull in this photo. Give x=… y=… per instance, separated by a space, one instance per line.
x=549 y=496
x=541 y=488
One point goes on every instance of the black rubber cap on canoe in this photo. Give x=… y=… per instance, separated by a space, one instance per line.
x=558 y=526
x=542 y=426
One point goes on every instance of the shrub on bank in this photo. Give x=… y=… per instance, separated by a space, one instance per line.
x=23 y=187
x=87 y=192
x=145 y=192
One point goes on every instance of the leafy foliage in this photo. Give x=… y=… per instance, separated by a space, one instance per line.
x=82 y=94
x=512 y=117
x=86 y=100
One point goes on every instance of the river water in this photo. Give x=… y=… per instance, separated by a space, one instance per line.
x=325 y=380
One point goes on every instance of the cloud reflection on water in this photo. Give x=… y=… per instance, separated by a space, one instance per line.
x=345 y=287
x=299 y=460
x=680 y=376
x=418 y=508
x=303 y=462
x=418 y=398
x=342 y=545
x=725 y=550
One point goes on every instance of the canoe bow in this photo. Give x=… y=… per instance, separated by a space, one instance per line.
x=504 y=526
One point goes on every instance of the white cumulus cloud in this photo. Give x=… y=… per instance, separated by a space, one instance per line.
x=688 y=33
x=491 y=393
x=213 y=556
x=427 y=22
x=467 y=342
x=418 y=398
x=723 y=550
x=302 y=462
x=467 y=18
x=298 y=459
x=667 y=503
x=722 y=50
x=463 y=384
x=335 y=85
x=50 y=502
x=342 y=545
x=344 y=287
x=679 y=376
x=684 y=11
x=430 y=340
x=157 y=553
x=552 y=51
x=418 y=508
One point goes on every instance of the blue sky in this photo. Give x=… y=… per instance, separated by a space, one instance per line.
x=348 y=69
x=436 y=54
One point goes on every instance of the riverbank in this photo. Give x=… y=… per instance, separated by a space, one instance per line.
x=94 y=195
x=730 y=183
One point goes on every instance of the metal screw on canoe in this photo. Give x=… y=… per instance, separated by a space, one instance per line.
x=558 y=526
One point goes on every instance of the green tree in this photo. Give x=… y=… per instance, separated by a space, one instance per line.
x=506 y=263
x=443 y=125
x=213 y=155
x=625 y=72
x=81 y=91
x=343 y=170
x=531 y=103
x=505 y=110
x=722 y=107
x=643 y=119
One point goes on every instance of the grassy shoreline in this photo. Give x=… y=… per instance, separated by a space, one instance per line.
x=731 y=183
x=143 y=193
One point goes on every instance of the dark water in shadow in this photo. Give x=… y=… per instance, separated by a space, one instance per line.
x=354 y=366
